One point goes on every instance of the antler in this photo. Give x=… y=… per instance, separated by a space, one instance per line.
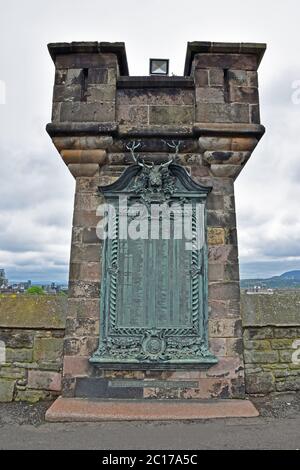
x=132 y=146
x=173 y=145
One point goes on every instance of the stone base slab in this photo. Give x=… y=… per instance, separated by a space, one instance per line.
x=81 y=409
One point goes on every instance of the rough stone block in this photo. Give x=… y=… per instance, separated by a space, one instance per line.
x=89 y=235
x=252 y=79
x=225 y=171
x=283 y=373
x=85 y=253
x=219 y=218
x=76 y=366
x=285 y=332
x=14 y=338
x=68 y=77
x=83 y=169
x=261 y=357
x=210 y=388
x=78 y=307
x=101 y=93
x=224 y=290
x=68 y=386
x=18 y=355
x=209 y=95
x=258 y=345
x=290 y=384
x=84 y=156
x=215 y=143
x=6 y=390
x=254 y=114
x=218 y=346
x=242 y=94
x=284 y=343
x=11 y=372
x=258 y=333
x=33 y=396
x=224 y=328
x=222 y=254
x=260 y=383
x=132 y=114
x=234 y=347
x=87 y=201
x=216 y=77
x=155 y=96
x=216 y=272
x=215 y=236
x=198 y=172
x=171 y=114
x=85 y=271
x=97 y=76
x=238 y=77
x=85 y=289
x=48 y=349
x=33 y=311
x=81 y=326
x=82 y=142
x=279 y=309
x=89 y=112
x=227 y=367
x=243 y=144
x=85 y=60
x=226 y=61
x=229 y=205
x=215 y=202
x=44 y=380
x=201 y=77
x=83 y=218
x=217 y=308
x=82 y=346
x=64 y=93
x=286 y=356
x=225 y=158
x=222 y=112
x=55 y=115
x=231 y=272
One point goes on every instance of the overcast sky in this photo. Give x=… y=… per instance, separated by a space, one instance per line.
x=36 y=189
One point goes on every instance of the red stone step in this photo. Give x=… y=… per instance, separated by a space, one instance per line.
x=84 y=409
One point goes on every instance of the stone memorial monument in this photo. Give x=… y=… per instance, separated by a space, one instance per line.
x=154 y=298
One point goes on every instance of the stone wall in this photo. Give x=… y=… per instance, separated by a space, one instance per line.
x=32 y=330
x=272 y=342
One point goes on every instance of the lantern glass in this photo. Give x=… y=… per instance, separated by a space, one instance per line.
x=159 y=66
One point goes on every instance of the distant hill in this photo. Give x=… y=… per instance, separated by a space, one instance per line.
x=288 y=280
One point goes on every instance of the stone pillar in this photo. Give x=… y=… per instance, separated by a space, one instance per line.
x=213 y=110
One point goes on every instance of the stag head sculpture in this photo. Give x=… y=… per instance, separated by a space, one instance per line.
x=155 y=172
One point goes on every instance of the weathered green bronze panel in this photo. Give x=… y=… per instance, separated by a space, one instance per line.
x=154 y=281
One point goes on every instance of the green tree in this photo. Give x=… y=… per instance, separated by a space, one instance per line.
x=63 y=293
x=37 y=290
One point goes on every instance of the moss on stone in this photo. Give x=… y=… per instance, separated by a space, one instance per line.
x=281 y=343
x=33 y=311
x=6 y=390
x=281 y=308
